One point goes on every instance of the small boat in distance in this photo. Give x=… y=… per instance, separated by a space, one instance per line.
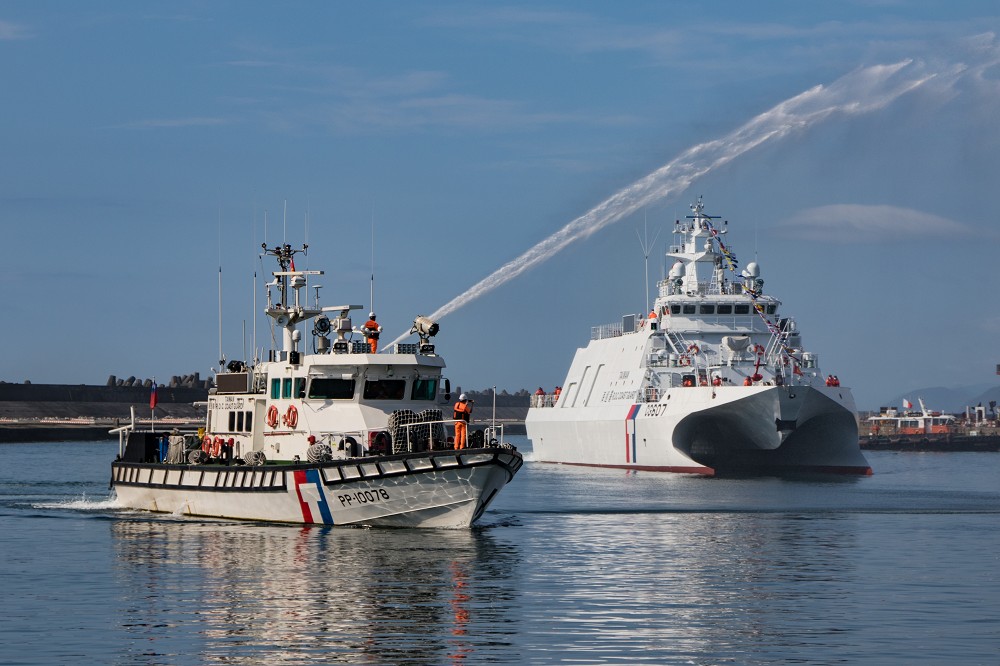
x=336 y=436
x=714 y=380
x=890 y=421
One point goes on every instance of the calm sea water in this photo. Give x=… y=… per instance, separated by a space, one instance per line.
x=570 y=566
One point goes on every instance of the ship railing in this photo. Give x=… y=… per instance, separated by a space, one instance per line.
x=603 y=331
x=650 y=394
x=433 y=436
x=637 y=324
x=544 y=400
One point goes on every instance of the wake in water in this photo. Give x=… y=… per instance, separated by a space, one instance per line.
x=862 y=91
x=81 y=504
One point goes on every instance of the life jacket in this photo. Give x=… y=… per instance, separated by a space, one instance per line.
x=463 y=411
x=371 y=329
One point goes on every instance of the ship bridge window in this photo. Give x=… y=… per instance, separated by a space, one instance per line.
x=742 y=309
x=675 y=309
x=286 y=387
x=423 y=389
x=385 y=389
x=275 y=389
x=725 y=309
x=331 y=388
x=772 y=308
x=240 y=421
x=689 y=309
x=706 y=309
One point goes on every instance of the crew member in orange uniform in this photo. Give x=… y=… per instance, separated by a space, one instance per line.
x=372 y=329
x=462 y=416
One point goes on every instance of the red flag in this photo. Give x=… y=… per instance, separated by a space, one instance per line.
x=152 y=397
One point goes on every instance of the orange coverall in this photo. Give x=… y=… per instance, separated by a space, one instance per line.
x=371 y=332
x=462 y=415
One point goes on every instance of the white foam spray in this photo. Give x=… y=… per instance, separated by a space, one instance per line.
x=862 y=91
x=81 y=504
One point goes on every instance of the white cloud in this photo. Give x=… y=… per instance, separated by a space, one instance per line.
x=349 y=99
x=856 y=223
x=11 y=31
x=153 y=123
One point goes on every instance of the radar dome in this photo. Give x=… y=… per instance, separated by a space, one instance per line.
x=752 y=270
x=677 y=270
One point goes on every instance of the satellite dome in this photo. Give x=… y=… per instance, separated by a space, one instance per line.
x=752 y=270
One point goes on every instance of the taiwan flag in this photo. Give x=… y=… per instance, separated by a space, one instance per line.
x=152 y=397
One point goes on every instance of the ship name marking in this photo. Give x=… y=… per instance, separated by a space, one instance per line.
x=363 y=497
x=654 y=409
x=617 y=396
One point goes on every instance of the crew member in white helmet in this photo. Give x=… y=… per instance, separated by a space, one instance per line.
x=372 y=329
x=462 y=416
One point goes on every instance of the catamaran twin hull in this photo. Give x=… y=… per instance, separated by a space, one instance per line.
x=434 y=489
x=709 y=430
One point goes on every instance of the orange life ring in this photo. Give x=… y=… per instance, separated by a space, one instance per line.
x=206 y=444
x=272 y=416
x=216 y=447
x=694 y=349
x=291 y=416
x=684 y=360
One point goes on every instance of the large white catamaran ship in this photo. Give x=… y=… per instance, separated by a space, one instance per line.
x=714 y=380
x=338 y=436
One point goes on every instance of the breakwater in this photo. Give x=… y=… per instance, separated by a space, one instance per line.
x=81 y=412
x=932 y=443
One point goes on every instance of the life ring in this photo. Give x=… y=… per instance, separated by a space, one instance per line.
x=684 y=360
x=216 y=447
x=206 y=444
x=272 y=416
x=694 y=349
x=291 y=417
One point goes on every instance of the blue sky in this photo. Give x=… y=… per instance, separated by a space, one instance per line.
x=143 y=143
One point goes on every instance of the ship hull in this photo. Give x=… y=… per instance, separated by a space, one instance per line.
x=709 y=430
x=435 y=489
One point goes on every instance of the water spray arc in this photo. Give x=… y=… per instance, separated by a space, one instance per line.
x=861 y=91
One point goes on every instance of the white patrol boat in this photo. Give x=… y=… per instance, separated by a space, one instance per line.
x=715 y=380
x=338 y=436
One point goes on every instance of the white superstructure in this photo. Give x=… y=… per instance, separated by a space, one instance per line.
x=327 y=432
x=717 y=381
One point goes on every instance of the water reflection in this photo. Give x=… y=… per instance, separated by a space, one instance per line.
x=690 y=588
x=271 y=594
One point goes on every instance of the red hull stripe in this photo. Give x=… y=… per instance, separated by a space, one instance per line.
x=630 y=439
x=300 y=478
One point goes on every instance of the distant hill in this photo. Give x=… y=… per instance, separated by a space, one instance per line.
x=953 y=400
